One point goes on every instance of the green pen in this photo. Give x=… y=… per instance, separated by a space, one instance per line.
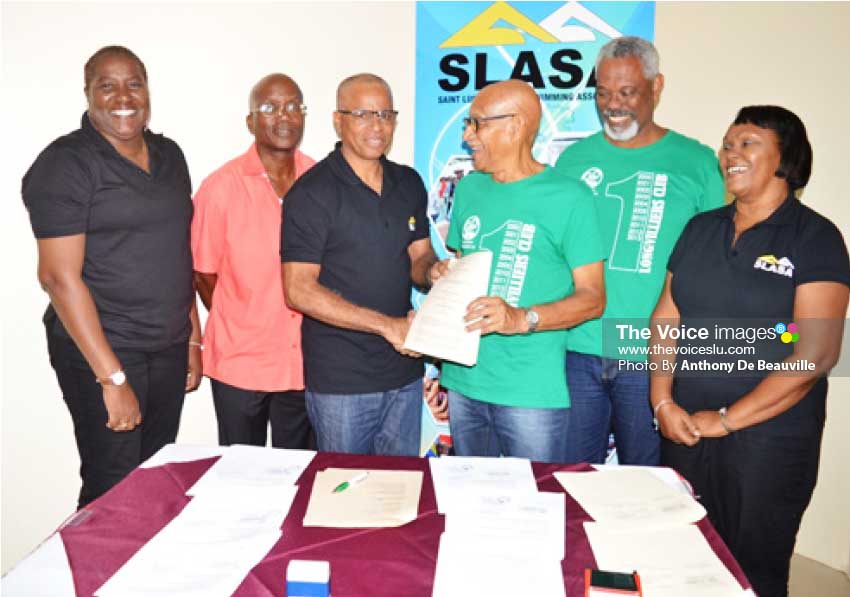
x=353 y=481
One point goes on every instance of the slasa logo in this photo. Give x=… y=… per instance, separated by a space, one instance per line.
x=503 y=25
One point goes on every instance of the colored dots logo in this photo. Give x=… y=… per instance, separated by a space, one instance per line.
x=787 y=333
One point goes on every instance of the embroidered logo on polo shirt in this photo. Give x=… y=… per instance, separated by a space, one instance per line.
x=411 y=223
x=770 y=263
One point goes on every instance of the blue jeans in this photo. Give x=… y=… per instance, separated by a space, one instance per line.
x=603 y=396
x=485 y=429
x=384 y=423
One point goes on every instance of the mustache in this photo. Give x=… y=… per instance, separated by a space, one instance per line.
x=618 y=113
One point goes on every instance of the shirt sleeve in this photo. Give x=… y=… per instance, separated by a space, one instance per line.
x=209 y=227
x=822 y=256
x=715 y=191
x=582 y=240
x=57 y=192
x=305 y=228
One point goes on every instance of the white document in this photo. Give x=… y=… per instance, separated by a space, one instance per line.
x=630 y=496
x=246 y=466
x=45 y=571
x=456 y=477
x=182 y=453
x=461 y=573
x=380 y=499
x=209 y=547
x=670 y=477
x=438 y=329
x=507 y=524
x=209 y=568
x=672 y=561
x=230 y=515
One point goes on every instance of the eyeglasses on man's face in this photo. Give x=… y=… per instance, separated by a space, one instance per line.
x=291 y=108
x=475 y=122
x=369 y=116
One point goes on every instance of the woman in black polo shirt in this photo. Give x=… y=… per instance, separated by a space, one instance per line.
x=745 y=436
x=110 y=205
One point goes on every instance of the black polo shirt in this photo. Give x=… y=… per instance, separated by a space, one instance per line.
x=360 y=239
x=138 y=262
x=748 y=285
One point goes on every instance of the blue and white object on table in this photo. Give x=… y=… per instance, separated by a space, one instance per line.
x=308 y=578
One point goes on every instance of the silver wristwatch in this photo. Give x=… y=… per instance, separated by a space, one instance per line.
x=532 y=318
x=113 y=379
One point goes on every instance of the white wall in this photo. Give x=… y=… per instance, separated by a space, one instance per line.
x=203 y=59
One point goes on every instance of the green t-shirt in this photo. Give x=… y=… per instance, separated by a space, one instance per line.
x=644 y=198
x=539 y=229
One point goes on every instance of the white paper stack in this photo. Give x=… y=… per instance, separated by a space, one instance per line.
x=252 y=466
x=644 y=522
x=457 y=477
x=502 y=536
x=232 y=522
x=630 y=497
x=182 y=453
x=671 y=561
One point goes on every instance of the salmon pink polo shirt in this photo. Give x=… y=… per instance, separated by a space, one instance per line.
x=252 y=340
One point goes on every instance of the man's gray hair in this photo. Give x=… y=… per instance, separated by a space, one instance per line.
x=622 y=47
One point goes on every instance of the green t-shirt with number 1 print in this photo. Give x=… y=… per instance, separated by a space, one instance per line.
x=644 y=198
x=539 y=230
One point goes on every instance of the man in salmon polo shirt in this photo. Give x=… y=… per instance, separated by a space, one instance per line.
x=252 y=340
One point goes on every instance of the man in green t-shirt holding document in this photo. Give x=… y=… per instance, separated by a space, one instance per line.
x=648 y=182
x=546 y=276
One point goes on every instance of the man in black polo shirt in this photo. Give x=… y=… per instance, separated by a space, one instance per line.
x=354 y=236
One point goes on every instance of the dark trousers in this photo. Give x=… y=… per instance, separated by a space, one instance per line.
x=106 y=457
x=755 y=487
x=244 y=416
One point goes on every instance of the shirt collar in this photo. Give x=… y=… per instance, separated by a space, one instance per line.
x=103 y=145
x=346 y=173
x=252 y=165
x=784 y=215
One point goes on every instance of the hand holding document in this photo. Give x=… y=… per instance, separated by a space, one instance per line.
x=346 y=498
x=672 y=561
x=438 y=329
x=631 y=497
x=456 y=477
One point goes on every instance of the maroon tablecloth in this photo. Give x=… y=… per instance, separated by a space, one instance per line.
x=364 y=562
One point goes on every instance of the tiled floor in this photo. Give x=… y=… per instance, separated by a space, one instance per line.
x=812 y=579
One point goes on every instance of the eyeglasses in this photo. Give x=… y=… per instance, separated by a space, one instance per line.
x=475 y=123
x=363 y=117
x=291 y=108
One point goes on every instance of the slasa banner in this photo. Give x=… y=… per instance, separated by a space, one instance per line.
x=463 y=46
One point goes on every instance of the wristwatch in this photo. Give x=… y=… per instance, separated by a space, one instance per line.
x=532 y=318
x=723 y=422
x=113 y=379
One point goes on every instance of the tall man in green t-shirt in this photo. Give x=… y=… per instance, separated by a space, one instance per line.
x=648 y=181
x=546 y=276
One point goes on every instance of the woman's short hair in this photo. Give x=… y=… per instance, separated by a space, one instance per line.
x=88 y=70
x=795 y=151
